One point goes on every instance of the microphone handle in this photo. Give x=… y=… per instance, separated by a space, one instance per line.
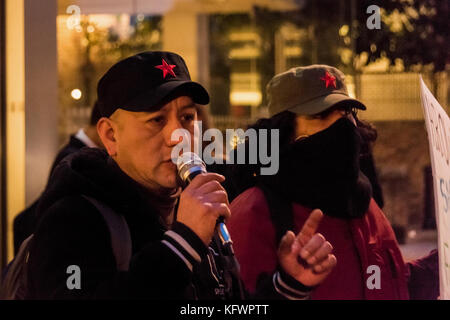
x=224 y=236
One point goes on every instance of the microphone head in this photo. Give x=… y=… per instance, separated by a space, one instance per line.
x=189 y=165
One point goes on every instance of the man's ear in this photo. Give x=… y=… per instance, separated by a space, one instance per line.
x=107 y=131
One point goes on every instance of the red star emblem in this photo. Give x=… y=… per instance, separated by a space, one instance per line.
x=329 y=79
x=166 y=68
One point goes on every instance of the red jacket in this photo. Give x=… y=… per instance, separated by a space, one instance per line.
x=358 y=243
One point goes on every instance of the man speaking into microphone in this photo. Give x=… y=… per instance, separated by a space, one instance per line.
x=117 y=223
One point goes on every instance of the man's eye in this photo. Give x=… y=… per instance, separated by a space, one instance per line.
x=188 y=117
x=157 y=120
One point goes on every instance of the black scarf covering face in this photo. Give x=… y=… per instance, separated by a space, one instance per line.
x=322 y=171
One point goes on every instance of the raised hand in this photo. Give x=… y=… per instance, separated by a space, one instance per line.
x=307 y=257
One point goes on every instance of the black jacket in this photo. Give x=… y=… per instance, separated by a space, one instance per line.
x=165 y=264
x=25 y=222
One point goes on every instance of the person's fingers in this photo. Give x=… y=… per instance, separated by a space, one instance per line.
x=310 y=227
x=321 y=254
x=204 y=178
x=309 y=249
x=219 y=196
x=286 y=243
x=326 y=265
x=221 y=210
x=210 y=186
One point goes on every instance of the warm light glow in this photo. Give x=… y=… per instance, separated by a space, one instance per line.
x=292 y=33
x=293 y=51
x=242 y=81
x=343 y=31
x=373 y=47
x=235 y=140
x=244 y=53
x=244 y=36
x=102 y=20
x=412 y=234
x=351 y=90
x=15 y=115
x=252 y=98
x=76 y=94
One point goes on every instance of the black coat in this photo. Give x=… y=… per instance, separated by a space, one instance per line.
x=72 y=232
x=25 y=221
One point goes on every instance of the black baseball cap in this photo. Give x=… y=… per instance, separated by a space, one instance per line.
x=145 y=82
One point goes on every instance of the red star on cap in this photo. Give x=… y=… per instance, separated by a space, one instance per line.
x=329 y=79
x=166 y=68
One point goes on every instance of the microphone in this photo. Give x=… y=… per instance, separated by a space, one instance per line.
x=190 y=165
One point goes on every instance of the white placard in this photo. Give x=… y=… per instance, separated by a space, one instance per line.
x=438 y=128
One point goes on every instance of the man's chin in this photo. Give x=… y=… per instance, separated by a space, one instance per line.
x=170 y=181
x=170 y=185
x=166 y=176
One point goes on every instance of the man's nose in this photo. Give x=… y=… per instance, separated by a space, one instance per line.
x=352 y=119
x=174 y=133
x=349 y=116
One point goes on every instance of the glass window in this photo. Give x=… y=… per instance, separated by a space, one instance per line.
x=88 y=49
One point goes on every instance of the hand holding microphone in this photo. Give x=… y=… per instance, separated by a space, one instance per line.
x=204 y=200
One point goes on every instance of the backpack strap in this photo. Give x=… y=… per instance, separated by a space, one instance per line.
x=15 y=281
x=119 y=231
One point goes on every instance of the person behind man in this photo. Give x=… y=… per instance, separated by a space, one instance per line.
x=84 y=137
x=320 y=150
x=142 y=100
x=25 y=222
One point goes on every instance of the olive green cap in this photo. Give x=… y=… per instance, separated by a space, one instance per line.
x=308 y=90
